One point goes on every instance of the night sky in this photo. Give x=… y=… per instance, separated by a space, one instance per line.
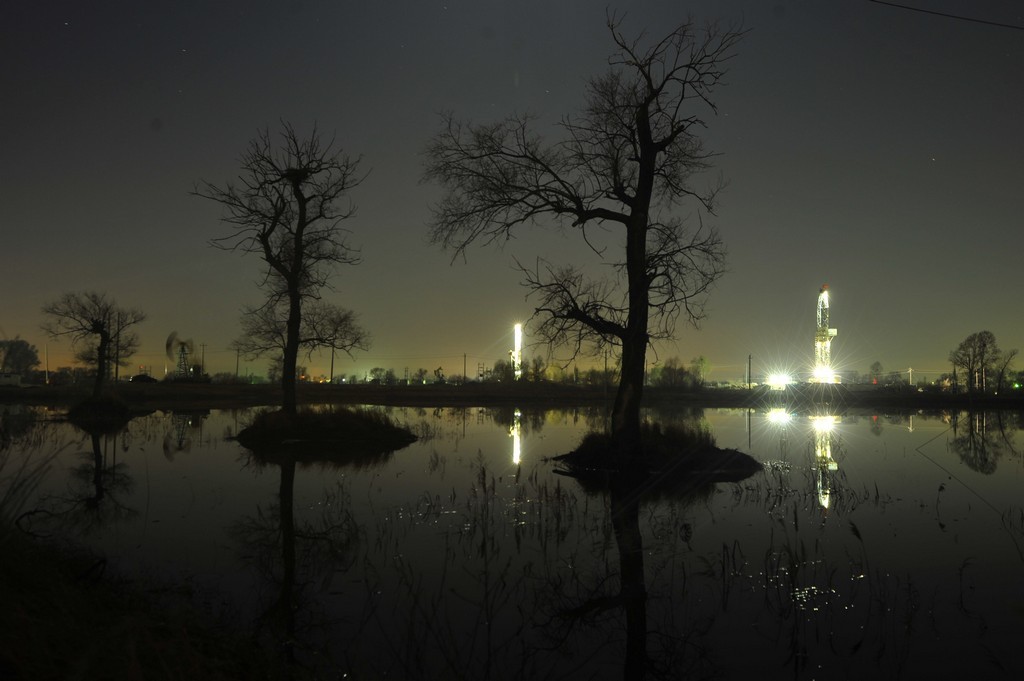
x=873 y=148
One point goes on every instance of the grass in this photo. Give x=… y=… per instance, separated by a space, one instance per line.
x=662 y=450
x=100 y=415
x=344 y=436
x=674 y=462
x=62 y=620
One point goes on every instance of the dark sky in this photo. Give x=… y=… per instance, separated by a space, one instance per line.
x=875 y=149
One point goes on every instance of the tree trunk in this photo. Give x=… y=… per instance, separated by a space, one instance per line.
x=291 y=354
x=286 y=601
x=102 y=348
x=626 y=411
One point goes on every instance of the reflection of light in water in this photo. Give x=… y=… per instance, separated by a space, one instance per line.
x=514 y=432
x=824 y=424
x=824 y=428
x=779 y=417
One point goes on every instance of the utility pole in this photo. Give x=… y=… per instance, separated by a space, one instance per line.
x=750 y=359
x=202 y=359
x=237 y=353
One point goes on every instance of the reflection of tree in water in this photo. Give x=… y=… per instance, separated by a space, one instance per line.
x=299 y=558
x=541 y=583
x=529 y=421
x=876 y=425
x=16 y=422
x=96 y=487
x=670 y=411
x=980 y=439
x=683 y=466
x=93 y=496
x=294 y=557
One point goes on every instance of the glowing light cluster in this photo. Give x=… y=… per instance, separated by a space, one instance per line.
x=824 y=424
x=779 y=381
x=515 y=432
x=823 y=336
x=517 y=352
x=824 y=374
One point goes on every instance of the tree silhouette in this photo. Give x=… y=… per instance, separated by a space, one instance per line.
x=98 y=329
x=288 y=208
x=977 y=357
x=264 y=330
x=18 y=356
x=624 y=164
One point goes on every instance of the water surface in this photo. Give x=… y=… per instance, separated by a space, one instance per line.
x=871 y=546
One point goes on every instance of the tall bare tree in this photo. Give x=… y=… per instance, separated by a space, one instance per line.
x=99 y=330
x=287 y=207
x=625 y=164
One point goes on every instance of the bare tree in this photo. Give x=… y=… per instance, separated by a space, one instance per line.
x=624 y=164
x=122 y=346
x=99 y=330
x=1004 y=367
x=288 y=208
x=264 y=330
x=977 y=357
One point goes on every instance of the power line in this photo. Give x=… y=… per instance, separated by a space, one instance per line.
x=947 y=16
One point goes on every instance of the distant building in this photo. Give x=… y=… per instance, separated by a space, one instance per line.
x=8 y=378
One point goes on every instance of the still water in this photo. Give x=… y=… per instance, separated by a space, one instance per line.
x=870 y=546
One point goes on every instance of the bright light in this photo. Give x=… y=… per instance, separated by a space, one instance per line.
x=517 y=353
x=824 y=374
x=779 y=381
x=515 y=431
x=779 y=416
x=823 y=424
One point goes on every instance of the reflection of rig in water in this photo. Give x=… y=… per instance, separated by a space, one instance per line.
x=826 y=445
x=180 y=438
x=825 y=465
x=515 y=431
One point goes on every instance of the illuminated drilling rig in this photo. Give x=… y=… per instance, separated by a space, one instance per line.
x=823 y=336
x=516 y=354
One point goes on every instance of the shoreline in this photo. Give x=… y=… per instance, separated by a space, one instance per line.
x=178 y=396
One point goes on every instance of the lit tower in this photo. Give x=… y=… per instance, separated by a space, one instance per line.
x=823 y=342
x=517 y=354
